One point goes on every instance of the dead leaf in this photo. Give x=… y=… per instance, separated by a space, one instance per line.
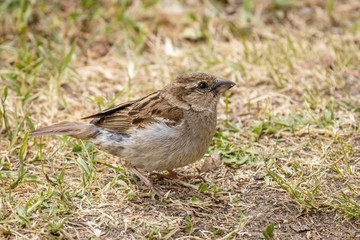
x=211 y=163
x=66 y=88
x=327 y=61
x=297 y=227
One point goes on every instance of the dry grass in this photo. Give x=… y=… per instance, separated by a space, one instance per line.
x=288 y=133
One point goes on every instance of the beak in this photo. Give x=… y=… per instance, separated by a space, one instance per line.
x=222 y=85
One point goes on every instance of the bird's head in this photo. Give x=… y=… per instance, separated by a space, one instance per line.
x=199 y=91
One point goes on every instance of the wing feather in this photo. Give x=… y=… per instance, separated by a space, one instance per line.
x=125 y=117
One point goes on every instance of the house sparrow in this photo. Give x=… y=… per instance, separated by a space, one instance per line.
x=167 y=129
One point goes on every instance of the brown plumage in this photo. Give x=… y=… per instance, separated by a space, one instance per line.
x=150 y=109
x=167 y=129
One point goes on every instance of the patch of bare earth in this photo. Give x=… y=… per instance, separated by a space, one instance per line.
x=290 y=143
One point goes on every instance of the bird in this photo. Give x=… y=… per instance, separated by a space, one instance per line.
x=167 y=129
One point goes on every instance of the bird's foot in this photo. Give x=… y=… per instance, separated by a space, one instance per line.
x=148 y=183
x=176 y=175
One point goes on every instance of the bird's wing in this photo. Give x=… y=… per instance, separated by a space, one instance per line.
x=125 y=117
x=110 y=110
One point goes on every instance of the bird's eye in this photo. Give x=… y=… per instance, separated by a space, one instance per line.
x=202 y=85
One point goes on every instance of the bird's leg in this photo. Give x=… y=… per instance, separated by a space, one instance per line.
x=176 y=175
x=148 y=183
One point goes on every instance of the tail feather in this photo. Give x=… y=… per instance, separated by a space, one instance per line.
x=80 y=130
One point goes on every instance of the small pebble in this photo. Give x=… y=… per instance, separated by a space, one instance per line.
x=259 y=177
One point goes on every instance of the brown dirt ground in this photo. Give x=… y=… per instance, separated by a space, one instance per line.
x=248 y=200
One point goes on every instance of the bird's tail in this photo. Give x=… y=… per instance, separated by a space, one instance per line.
x=80 y=130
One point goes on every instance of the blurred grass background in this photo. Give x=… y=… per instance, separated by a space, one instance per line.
x=290 y=127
